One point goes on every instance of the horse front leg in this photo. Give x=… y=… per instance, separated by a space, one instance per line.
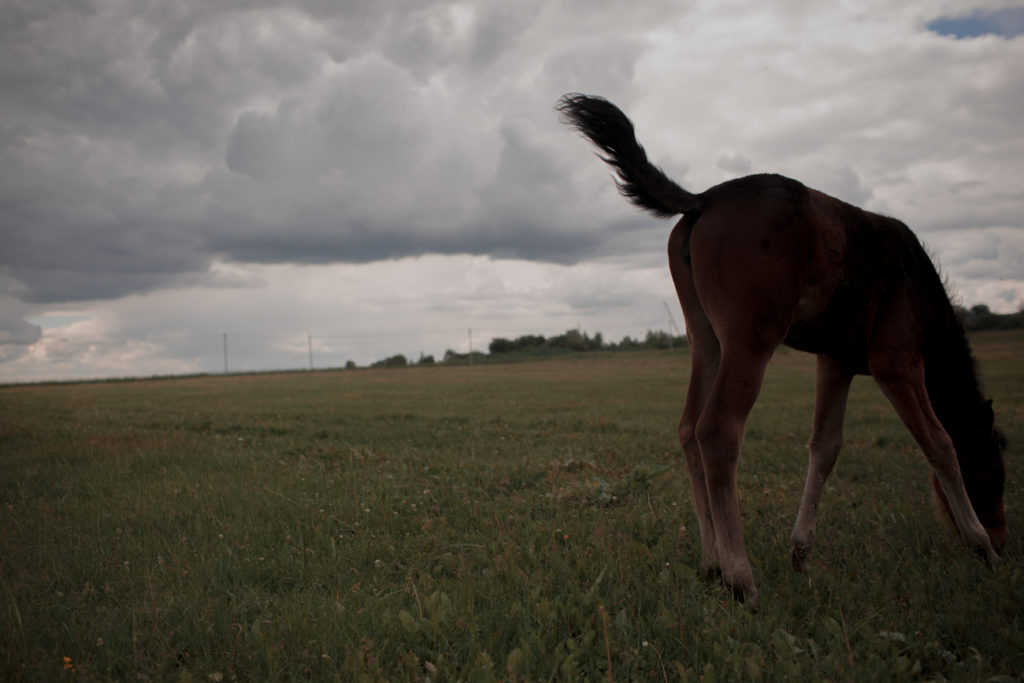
x=832 y=387
x=901 y=377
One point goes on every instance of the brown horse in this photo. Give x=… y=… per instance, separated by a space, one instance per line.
x=764 y=260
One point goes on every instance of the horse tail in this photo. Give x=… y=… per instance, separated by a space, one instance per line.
x=611 y=131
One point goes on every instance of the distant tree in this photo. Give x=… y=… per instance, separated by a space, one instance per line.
x=526 y=342
x=981 y=309
x=658 y=340
x=350 y=365
x=396 y=361
x=529 y=341
x=425 y=360
x=628 y=344
x=981 y=317
x=574 y=340
x=501 y=345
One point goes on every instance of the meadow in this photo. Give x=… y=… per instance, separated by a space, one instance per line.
x=528 y=521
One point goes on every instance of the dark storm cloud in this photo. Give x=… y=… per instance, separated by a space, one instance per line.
x=141 y=141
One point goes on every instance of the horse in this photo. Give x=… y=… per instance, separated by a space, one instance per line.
x=763 y=261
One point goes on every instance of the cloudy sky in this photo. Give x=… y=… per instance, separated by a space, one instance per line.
x=371 y=178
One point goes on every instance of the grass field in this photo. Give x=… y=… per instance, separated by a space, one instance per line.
x=503 y=522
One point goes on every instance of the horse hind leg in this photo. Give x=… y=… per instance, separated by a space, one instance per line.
x=902 y=381
x=745 y=258
x=831 y=391
x=704 y=367
x=705 y=355
x=720 y=434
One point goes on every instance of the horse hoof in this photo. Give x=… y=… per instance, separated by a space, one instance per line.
x=748 y=597
x=712 y=572
x=990 y=557
x=801 y=558
x=743 y=590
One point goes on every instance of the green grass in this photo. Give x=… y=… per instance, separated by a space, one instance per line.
x=501 y=522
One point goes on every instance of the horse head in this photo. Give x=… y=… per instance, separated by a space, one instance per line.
x=979 y=446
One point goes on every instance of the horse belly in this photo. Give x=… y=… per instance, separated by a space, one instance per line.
x=833 y=332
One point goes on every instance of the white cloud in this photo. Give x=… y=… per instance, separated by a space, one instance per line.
x=352 y=312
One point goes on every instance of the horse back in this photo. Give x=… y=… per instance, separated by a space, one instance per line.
x=823 y=269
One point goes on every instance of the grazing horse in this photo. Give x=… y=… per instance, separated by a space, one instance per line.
x=764 y=260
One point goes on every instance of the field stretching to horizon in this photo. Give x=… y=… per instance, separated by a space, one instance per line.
x=528 y=521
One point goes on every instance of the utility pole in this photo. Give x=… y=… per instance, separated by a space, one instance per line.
x=309 y=337
x=225 y=353
x=471 y=346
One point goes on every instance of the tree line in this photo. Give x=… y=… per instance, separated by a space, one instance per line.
x=981 y=317
x=501 y=349
x=574 y=340
x=535 y=345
